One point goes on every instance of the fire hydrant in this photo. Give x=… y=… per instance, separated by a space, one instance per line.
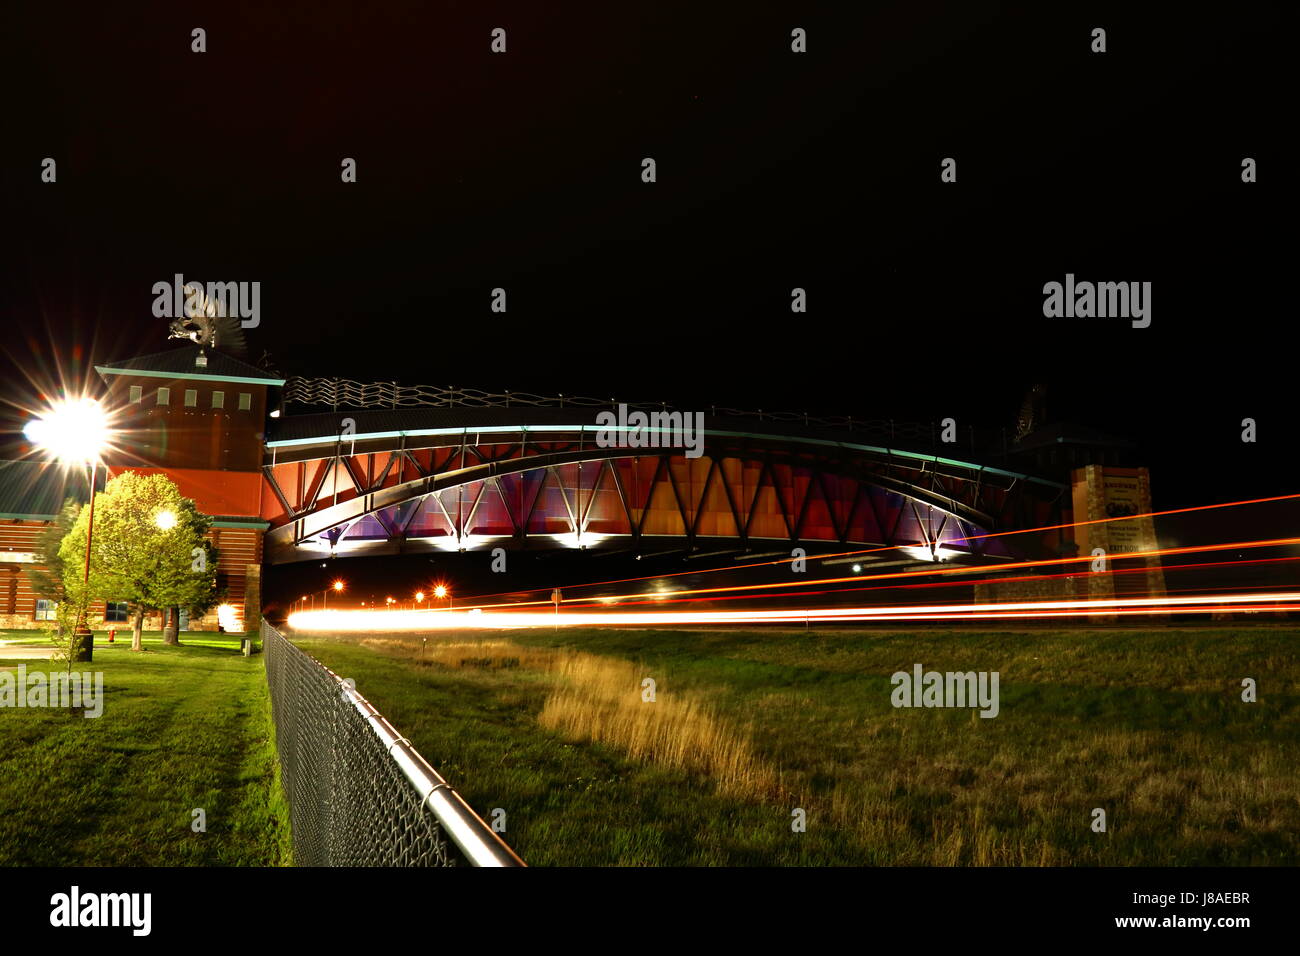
x=112 y=635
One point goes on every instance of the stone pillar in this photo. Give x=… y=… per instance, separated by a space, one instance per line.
x=252 y=597
x=1100 y=495
x=1155 y=576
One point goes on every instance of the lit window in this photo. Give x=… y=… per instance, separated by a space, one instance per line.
x=191 y=397
x=115 y=612
x=218 y=399
x=46 y=610
x=164 y=396
x=245 y=401
x=137 y=394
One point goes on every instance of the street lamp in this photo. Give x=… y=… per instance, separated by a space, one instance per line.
x=75 y=433
x=336 y=587
x=165 y=520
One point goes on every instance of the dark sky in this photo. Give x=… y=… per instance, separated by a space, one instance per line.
x=775 y=170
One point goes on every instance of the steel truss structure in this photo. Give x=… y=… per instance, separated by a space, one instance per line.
x=553 y=485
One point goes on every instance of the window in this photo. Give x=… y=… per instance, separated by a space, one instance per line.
x=164 y=396
x=45 y=610
x=218 y=399
x=191 y=397
x=137 y=394
x=245 y=401
x=115 y=612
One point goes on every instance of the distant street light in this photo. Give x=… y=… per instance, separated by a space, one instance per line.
x=75 y=433
x=166 y=520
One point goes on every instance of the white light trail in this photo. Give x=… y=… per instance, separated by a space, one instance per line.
x=372 y=621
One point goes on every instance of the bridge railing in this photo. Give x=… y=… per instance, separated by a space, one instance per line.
x=359 y=793
x=336 y=393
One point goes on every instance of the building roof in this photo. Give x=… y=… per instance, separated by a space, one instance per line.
x=36 y=490
x=183 y=363
x=1069 y=433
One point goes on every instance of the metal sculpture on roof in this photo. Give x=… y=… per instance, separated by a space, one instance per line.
x=205 y=323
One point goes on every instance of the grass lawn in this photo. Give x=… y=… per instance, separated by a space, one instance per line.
x=747 y=726
x=182 y=728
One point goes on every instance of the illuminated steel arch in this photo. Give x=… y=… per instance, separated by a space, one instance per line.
x=466 y=479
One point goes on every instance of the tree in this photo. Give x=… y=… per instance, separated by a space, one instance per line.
x=149 y=548
x=190 y=586
x=47 y=577
x=47 y=580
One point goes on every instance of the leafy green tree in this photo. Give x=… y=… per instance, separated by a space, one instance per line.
x=148 y=548
x=187 y=586
x=47 y=576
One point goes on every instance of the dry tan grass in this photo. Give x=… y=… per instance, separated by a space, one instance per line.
x=466 y=655
x=600 y=699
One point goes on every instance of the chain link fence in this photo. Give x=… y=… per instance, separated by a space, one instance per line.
x=359 y=793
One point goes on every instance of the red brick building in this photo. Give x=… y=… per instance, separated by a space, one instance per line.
x=197 y=416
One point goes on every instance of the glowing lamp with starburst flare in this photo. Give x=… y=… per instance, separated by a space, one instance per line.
x=75 y=432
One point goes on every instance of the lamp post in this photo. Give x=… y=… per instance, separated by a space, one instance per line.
x=165 y=521
x=336 y=587
x=75 y=432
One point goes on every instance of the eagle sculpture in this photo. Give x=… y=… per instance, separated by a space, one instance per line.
x=211 y=329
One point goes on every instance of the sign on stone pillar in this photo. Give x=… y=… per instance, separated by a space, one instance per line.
x=1106 y=497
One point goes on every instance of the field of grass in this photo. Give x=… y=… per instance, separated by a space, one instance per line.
x=748 y=726
x=182 y=728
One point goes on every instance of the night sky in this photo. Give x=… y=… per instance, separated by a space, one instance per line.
x=775 y=170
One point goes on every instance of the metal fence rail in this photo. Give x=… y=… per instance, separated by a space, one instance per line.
x=343 y=392
x=359 y=793
x=336 y=393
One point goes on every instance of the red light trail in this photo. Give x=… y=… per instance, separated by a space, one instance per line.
x=598 y=610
